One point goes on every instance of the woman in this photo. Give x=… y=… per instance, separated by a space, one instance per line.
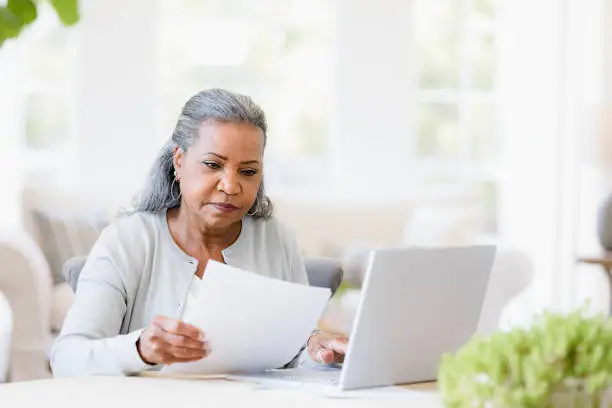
x=205 y=200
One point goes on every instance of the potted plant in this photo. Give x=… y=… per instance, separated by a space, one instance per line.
x=562 y=360
x=18 y=14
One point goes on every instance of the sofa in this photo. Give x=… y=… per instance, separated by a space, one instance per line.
x=6 y=332
x=59 y=224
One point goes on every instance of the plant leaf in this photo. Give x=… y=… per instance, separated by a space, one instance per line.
x=24 y=10
x=10 y=25
x=528 y=368
x=67 y=11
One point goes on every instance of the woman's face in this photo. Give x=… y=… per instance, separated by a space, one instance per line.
x=221 y=172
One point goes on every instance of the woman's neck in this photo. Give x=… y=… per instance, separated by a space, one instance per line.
x=193 y=234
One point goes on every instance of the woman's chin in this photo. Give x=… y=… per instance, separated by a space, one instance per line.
x=221 y=219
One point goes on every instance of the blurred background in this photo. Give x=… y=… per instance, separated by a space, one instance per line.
x=392 y=123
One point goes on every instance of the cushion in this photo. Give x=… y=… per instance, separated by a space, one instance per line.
x=62 y=298
x=72 y=270
x=64 y=235
x=325 y=273
x=6 y=331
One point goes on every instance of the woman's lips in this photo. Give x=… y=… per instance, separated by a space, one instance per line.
x=225 y=207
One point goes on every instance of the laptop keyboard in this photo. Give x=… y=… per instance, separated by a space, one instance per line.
x=329 y=376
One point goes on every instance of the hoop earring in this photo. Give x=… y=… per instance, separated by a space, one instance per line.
x=172 y=191
x=256 y=208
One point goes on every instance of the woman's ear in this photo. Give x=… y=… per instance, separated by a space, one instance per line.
x=178 y=159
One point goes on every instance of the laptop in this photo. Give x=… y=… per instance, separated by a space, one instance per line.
x=416 y=304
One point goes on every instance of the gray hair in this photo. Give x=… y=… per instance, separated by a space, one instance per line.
x=218 y=105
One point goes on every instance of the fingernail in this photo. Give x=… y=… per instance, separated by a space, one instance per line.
x=201 y=336
x=320 y=356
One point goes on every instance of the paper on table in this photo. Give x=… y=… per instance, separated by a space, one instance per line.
x=251 y=322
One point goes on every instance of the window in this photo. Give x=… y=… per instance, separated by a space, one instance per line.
x=37 y=105
x=46 y=62
x=277 y=53
x=456 y=104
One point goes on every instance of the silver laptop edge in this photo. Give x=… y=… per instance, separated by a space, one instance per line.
x=471 y=273
x=448 y=283
x=356 y=324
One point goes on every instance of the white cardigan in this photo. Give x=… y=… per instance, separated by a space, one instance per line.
x=135 y=272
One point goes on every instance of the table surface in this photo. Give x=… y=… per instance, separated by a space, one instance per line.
x=151 y=392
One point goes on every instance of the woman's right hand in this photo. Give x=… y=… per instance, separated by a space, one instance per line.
x=168 y=341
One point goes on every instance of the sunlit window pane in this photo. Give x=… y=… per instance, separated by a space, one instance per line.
x=483 y=62
x=46 y=49
x=47 y=61
x=278 y=54
x=483 y=11
x=437 y=43
x=489 y=193
x=483 y=129
x=47 y=121
x=438 y=130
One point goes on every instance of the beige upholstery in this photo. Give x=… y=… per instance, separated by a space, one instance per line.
x=6 y=331
x=323 y=229
x=25 y=280
x=62 y=297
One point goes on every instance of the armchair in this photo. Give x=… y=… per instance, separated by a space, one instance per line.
x=322 y=272
x=6 y=331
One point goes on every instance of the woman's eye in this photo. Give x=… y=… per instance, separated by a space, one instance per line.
x=249 y=172
x=212 y=165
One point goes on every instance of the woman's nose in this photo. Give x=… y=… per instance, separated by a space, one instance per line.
x=229 y=185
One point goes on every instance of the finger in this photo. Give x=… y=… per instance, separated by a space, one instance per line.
x=179 y=327
x=181 y=341
x=337 y=344
x=184 y=360
x=331 y=353
x=159 y=343
x=325 y=356
x=172 y=359
x=181 y=352
x=329 y=349
x=319 y=353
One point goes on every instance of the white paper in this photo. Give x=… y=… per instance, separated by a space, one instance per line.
x=251 y=323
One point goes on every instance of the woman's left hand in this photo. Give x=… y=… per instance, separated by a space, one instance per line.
x=327 y=348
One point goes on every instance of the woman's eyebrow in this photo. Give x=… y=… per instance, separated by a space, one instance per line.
x=215 y=154
x=225 y=158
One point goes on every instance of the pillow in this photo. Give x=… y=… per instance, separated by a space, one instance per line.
x=64 y=235
x=72 y=270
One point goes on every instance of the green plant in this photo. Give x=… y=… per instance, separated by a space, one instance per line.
x=531 y=367
x=18 y=14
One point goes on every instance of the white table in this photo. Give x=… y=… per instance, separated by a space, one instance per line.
x=136 y=392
